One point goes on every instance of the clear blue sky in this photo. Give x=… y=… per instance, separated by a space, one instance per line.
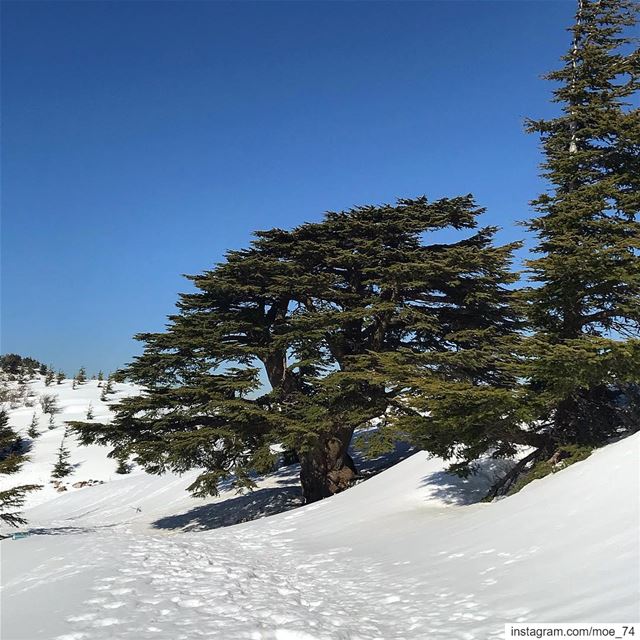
x=143 y=139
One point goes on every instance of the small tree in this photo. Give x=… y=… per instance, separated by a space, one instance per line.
x=52 y=422
x=123 y=466
x=49 y=377
x=107 y=388
x=100 y=378
x=60 y=377
x=49 y=404
x=11 y=459
x=62 y=467
x=81 y=376
x=33 y=432
x=90 y=412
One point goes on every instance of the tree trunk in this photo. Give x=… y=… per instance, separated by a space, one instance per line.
x=327 y=468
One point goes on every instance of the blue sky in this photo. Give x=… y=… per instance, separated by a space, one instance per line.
x=140 y=140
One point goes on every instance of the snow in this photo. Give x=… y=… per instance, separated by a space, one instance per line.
x=406 y=554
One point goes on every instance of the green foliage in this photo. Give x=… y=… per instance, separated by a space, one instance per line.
x=341 y=317
x=62 y=467
x=11 y=459
x=81 y=376
x=585 y=310
x=15 y=364
x=49 y=377
x=33 y=432
x=49 y=404
x=123 y=466
x=569 y=454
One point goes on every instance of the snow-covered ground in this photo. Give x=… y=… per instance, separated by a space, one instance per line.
x=404 y=555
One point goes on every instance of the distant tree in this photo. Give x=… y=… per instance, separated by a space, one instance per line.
x=100 y=378
x=11 y=459
x=42 y=369
x=49 y=404
x=11 y=363
x=109 y=386
x=62 y=467
x=81 y=376
x=49 y=377
x=33 y=432
x=60 y=377
x=123 y=466
x=90 y=412
x=74 y=384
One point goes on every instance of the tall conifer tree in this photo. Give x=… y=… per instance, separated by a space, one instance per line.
x=586 y=307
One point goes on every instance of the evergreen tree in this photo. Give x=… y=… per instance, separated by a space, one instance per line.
x=100 y=378
x=49 y=404
x=49 y=376
x=586 y=309
x=33 y=432
x=123 y=466
x=62 y=467
x=333 y=314
x=60 y=377
x=11 y=459
x=90 y=412
x=52 y=421
x=81 y=376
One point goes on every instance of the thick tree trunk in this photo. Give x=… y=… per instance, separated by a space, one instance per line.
x=327 y=468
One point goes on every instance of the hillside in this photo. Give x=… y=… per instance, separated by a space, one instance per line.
x=404 y=555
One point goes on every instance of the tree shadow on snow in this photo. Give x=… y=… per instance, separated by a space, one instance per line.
x=64 y=531
x=268 y=501
x=455 y=490
x=245 y=507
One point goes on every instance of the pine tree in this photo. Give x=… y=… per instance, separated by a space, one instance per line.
x=49 y=404
x=100 y=378
x=585 y=310
x=60 y=377
x=331 y=313
x=33 y=432
x=62 y=467
x=81 y=376
x=11 y=459
x=48 y=379
x=52 y=421
x=89 y=415
x=123 y=466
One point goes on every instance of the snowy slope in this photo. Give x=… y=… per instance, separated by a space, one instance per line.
x=402 y=555
x=90 y=463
